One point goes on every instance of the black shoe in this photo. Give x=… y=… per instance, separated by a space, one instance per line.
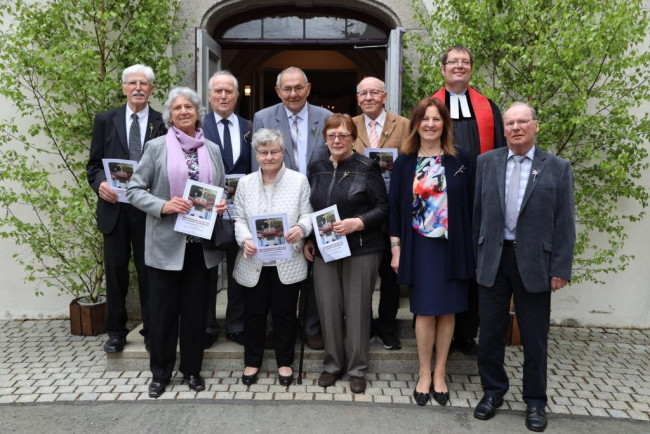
x=157 y=388
x=441 y=398
x=390 y=342
x=208 y=340
x=195 y=382
x=237 y=337
x=466 y=346
x=487 y=407
x=421 y=399
x=114 y=344
x=536 y=419
x=247 y=380
x=285 y=380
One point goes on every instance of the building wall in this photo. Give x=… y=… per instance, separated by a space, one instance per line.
x=622 y=301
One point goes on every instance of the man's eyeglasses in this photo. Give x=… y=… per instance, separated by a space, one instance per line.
x=456 y=62
x=341 y=137
x=137 y=83
x=373 y=93
x=274 y=153
x=522 y=123
x=298 y=89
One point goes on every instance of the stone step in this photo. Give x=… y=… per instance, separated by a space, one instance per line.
x=229 y=356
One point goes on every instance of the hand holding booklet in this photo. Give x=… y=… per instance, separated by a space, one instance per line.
x=330 y=245
x=199 y=220
x=118 y=174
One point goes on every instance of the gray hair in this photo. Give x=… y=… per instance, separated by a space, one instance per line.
x=383 y=85
x=189 y=94
x=267 y=135
x=278 y=81
x=226 y=73
x=533 y=113
x=134 y=69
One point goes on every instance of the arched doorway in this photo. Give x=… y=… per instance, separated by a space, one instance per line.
x=335 y=47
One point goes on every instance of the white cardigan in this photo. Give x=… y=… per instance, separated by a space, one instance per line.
x=290 y=196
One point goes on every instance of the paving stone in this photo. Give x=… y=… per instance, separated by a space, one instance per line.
x=638 y=415
x=107 y=396
x=68 y=397
x=224 y=395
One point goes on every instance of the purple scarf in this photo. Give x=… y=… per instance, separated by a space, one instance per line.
x=177 y=170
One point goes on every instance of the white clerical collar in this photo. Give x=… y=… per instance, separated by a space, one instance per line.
x=456 y=100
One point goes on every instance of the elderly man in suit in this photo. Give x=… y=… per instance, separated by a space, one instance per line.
x=301 y=125
x=524 y=235
x=478 y=128
x=121 y=133
x=233 y=135
x=378 y=128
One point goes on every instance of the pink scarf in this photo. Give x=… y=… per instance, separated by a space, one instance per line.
x=177 y=170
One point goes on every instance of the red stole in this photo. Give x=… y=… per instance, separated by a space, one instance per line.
x=484 y=117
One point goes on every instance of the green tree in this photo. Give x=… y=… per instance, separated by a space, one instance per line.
x=60 y=64
x=581 y=63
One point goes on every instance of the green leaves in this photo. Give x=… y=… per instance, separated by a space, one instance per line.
x=60 y=64
x=581 y=63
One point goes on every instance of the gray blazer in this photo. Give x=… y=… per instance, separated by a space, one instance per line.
x=545 y=226
x=275 y=117
x=148 y=191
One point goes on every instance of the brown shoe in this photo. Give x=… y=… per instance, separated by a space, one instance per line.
x=357 y=384
x=315 y=342
x=327 y=379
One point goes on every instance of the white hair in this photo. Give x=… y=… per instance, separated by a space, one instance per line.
x=190 y=95
x=134 y=69
x=227 y=74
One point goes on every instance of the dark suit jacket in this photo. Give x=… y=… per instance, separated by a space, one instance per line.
x=460 y=183
x=545 y=225
x=275 y=117
x=395 y=130
x=110 y=141
x=243 y=163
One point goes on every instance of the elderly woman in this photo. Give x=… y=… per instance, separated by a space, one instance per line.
x=430 y=208
x=273 y=189
x=344 y=287
x=179 y=264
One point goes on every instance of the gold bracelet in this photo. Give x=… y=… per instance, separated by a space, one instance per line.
x=394 y=244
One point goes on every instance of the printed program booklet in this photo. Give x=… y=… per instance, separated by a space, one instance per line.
x=330 y=245
x=118 y=174
x=269 y=232
x=199 y=221
x=385 y=157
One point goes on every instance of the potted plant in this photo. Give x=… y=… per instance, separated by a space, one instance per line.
x=60 y=64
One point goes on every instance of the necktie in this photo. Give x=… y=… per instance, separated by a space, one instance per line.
x=294 y=141
x=135 y=145
x=512 y=209
x=373 y=137
x=227 y=143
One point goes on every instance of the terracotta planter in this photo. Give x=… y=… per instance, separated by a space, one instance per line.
x=87 y=319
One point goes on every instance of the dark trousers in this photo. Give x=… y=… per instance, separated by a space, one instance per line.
x=533 y=316
x=235 y=306
x=127 y=235
x=177 y=301
x=466 y=325
x=281 y=299
x=389 y=291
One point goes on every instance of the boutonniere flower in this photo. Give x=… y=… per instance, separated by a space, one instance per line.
x=460 y=170
x=150 y=129
x=247 y=136
x=534 y=172
x=314 y=130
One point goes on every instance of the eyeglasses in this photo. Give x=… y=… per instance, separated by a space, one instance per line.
x=274 y=153
x=456 y=62
x=298 y=89
x=522 y=123
x=341 y=137
x=373 y=93
x=137 y=83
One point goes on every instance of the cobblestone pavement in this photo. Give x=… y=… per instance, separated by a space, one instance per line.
x=592 y=371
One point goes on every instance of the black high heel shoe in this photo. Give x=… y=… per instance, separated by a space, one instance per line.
x=441 y=398
x=421 y=399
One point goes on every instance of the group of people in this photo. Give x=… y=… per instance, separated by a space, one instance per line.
x=463 y=231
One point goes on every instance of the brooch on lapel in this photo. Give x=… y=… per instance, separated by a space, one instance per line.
x=534 y=172
x=314 y=130
x=150 y=129
x=460 y=170
x=247 y=136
